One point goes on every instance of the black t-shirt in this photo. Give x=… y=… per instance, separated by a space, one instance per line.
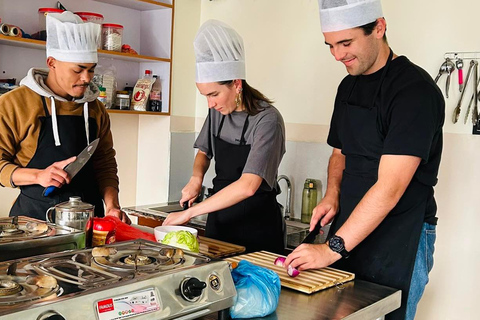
x=412 y=113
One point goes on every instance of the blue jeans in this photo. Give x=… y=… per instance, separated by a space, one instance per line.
x=423 y=265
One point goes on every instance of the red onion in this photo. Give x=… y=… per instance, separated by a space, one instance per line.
x=279 y=261
x=292 y=272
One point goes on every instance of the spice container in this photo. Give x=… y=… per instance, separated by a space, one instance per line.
x=122 y=101
x=112 y=37
x=90 y=17
x=103 y=232
x=42 y=22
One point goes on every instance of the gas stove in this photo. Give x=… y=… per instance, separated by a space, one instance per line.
x=23 y=236
x=138 y=278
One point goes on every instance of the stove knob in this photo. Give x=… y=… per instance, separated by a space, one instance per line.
x=192 y=288
x=50 y=315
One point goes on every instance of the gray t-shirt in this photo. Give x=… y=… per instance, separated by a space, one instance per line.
x=265 y=134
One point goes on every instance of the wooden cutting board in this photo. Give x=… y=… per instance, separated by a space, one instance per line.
x=217 y=249
x=308 y=281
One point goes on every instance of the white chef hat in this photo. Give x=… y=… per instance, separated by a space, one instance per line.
x=219 y=53
x=69 y=39
x=336 y=15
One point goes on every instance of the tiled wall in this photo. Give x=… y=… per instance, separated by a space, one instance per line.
x=302 y=160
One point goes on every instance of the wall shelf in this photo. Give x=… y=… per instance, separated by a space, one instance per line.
x=37 y=44
x=141 y=5
x=152 y=113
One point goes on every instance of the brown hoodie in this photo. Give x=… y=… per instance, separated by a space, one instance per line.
x=20 y=111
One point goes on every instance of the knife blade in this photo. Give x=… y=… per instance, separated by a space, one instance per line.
x=312 y=234
x=73 y=168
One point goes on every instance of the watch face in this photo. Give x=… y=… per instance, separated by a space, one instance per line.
x=336 y=244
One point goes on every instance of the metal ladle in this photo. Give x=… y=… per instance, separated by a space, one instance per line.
x=447 y=67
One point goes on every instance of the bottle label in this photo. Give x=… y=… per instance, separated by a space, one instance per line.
x=156 y=95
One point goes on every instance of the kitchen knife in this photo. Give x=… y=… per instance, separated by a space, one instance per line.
x=73 y=168
x=312 y=234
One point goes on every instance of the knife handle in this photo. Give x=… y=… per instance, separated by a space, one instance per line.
x=48 y=191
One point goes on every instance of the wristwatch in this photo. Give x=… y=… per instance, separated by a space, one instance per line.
x=337 y=244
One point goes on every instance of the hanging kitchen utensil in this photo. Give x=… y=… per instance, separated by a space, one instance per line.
x=475 y=95
x=442 y=70
x=456 y=111
x=73 y=168
x=447 y=67
x=476 y=80
x=459 y=64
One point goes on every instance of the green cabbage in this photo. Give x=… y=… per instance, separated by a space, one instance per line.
x=181 y=239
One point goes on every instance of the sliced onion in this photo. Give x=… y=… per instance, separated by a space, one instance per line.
x=292 y=272
x=279 y=261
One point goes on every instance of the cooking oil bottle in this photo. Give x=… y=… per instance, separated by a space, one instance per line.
x=309 y=200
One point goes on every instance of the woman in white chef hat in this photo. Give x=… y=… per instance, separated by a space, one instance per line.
x=245 y=135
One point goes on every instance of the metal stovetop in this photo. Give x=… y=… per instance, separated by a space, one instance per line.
x=141 y=278
x=25 y=236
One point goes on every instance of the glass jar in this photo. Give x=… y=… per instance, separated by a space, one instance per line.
x=309 y=200
x=112 y=37
x=123 y=101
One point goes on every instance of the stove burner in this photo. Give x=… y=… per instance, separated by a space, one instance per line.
x=138 y=260
x=9 y=230
x=15 y=290
x=9 y=287
x=75 y=272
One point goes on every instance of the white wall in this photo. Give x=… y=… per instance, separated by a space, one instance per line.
x=287 y=60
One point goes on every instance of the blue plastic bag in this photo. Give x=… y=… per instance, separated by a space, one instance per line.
x=258 y=291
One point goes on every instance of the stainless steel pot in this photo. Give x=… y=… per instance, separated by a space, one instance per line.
x=73 y=213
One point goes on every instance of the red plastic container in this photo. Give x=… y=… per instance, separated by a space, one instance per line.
x=42 y=22
x=90 y=17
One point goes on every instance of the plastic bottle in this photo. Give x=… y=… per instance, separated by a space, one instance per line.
x=155 y=103
x=102 y=96
x=141 y=92
x=309 y=200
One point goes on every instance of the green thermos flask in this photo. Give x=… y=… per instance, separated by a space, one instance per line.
x=309 y=200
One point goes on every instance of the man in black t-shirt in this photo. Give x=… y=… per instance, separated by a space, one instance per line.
x=386 y=134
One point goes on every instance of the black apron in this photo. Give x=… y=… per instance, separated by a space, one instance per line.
x=71 y=129
x=255 y=222
x=387 y=255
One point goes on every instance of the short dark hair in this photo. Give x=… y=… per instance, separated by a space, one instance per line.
x=251 y=97
x=368 y=29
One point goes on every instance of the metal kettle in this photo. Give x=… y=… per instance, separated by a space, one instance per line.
x=73 y=213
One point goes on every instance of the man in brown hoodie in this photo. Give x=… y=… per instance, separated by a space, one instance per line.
x=51 y=118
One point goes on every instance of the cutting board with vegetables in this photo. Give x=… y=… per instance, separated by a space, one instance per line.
x=217 y=249
x=308 y=281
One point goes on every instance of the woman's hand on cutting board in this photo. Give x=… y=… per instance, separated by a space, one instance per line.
x=177 y=218
x=311 y=256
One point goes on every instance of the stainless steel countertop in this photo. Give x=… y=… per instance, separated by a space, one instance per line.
x=357 y=300
x=154 y=211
